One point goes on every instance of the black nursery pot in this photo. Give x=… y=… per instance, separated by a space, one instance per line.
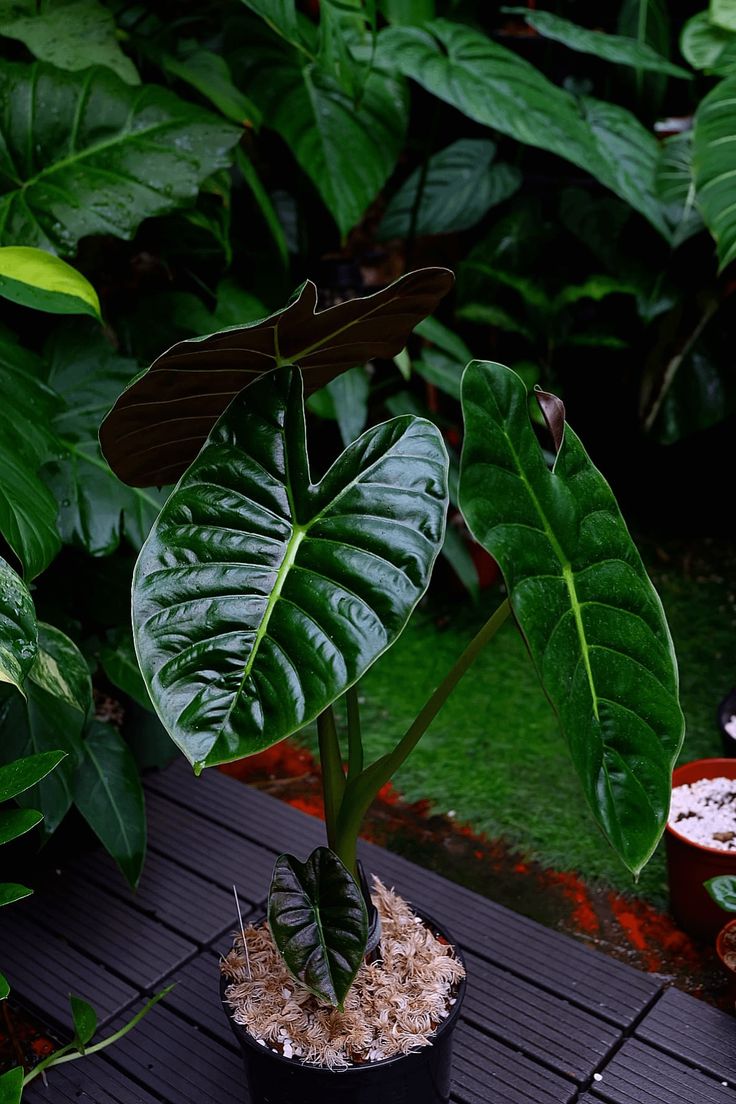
x=726 y=710
x=423 y=1076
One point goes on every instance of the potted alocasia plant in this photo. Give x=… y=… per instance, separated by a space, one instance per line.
x=722 y=889
x=263 y=594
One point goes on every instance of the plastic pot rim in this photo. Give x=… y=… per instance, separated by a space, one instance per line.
x=731 y=763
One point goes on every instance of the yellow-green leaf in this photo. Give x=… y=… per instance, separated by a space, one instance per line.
x=44 y=282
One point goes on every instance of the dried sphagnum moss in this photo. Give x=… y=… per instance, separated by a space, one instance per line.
x=393 y=1007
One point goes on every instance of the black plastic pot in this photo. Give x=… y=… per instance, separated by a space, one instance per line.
x=726 y=710
x=422 y=1077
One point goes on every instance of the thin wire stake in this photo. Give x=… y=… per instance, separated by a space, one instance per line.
x=242 y=932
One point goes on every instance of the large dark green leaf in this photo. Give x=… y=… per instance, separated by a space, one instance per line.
x=72 y=34
x=18 y=630
x=620 y=49
x=109 y=795
x=714 y=166
x=95 y=508
x=590 y=616
x=460 y=187
x=319 y=922
x=499 y=89
x=158 y=425
x=259 y=596
x=85 y=153
x=348 y=149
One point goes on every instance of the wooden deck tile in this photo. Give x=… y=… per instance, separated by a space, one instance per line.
x=486 y=1071
x=89 y=1081
x=639 y=1074
x=694 y=1031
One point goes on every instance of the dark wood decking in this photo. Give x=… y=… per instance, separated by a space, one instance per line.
x=546 y=1019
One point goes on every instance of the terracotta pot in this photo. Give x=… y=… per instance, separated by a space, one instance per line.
x=726 y=951
x=422 y=1077
x=690 y=864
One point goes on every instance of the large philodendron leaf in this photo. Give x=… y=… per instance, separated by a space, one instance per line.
x=85 y=153
x=714 y=166
x=18 y=629
x=319 y=922
x=591 y=618
x=259 y=597
x=158 y=425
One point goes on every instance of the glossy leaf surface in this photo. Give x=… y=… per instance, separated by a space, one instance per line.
x=11 y=1084
x=85 y=153
x=260 y=596
x=591 y=618
x=16 y=822
x=23 y=773
x=85 y=1020
x=460 y=187
x=499 y=89
x=319 y=922
x=109 y=795
x=4 y=987
x=714 y=166
x=723 y=891
x=18 y=629
x=10 y=892
x=37 y=279
x=159 y=424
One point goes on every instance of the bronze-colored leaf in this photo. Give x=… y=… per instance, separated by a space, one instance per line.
x=158 y=425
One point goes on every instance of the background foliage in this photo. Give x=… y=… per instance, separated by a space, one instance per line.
x=194 y=163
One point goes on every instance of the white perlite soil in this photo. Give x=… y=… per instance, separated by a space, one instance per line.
x=705 y=812
x=393 y=1007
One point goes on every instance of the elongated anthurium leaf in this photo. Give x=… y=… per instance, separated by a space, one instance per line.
x=500 y=89
x=21 y=774
x=723 y=891
x=18 y=629
x=591 y=618
x=37 y=279
x=714 y=166
x=159 y=424
x=260 y=596
x=85 y=153
x=319 y=922
x=109 y=795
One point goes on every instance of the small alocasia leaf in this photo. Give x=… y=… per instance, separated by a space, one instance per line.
x=619 y=49
x=85 y=1021
x=20 y=775
x=260 y=596
x=18 y=629
x=10 y=892
x=591 y=619
x=4 y=987
x=109 y=795
x=85 y=153
x=460 y=186
x=71 y=34
x=500 y=89
x=158 y=425
x=714 y=166
x=11 y=1086
x=16 y=822
x=319 y=923
x=723 y=891
x=37 y=279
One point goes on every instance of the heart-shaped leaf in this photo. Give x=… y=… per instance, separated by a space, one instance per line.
x=85 y=1021
x=159 y=424
x=714 y=166
x=723 y=891
x=319 y=922
x=589 y=614
x=259 y=597
x=18 y=629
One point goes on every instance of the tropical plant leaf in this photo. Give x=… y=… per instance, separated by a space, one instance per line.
x=259 y=596
x=590 y=617
x=23 y=773
x=121 y=667
x=319 y=923
x=707 y=46
x=444 y=338
x=723 y=14
x=95 y=509
x=85 y=153
x=71 y=34
x=676 y=187
x=499 y=89
x=16 y=822
x=109 y=795
x=42 y=281
x=714 y=166
x=159 y=424
x=460 y=187
x=11 y=1085
x=347 y=402
x=620 y=49
x=60 y=668
x=10 y=892
x=4 y=988
x=85 y=1021
x=18 y=630
x=723 y=891
x=348 y=150
x=210 y=75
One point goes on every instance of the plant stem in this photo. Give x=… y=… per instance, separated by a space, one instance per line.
x=355 y=741
x=361 y=791
x=333 y=777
